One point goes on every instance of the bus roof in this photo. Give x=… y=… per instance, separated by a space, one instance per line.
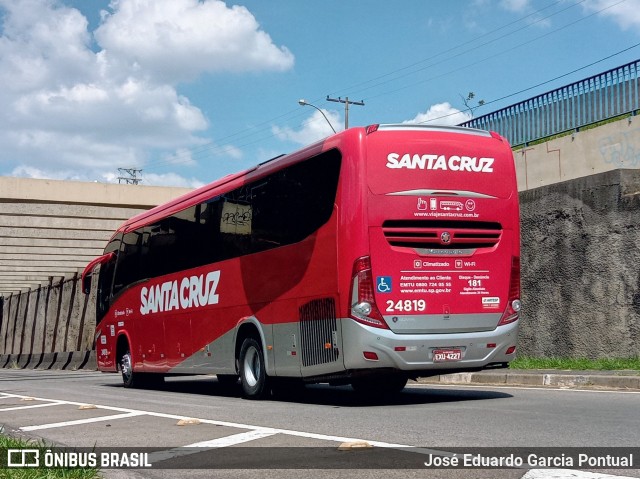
x=234 y=180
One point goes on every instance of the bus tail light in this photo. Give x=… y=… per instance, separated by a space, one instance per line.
x=512 y=311
x=363 y=305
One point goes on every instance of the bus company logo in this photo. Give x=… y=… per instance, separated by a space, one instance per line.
x=23 y=458
x=440 y=162
x=191 y=292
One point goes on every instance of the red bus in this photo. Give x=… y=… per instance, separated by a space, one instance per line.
x=377 y=255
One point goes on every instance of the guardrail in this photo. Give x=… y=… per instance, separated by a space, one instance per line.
x=607 y=95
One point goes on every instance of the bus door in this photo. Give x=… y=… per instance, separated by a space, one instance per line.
x=144 y=325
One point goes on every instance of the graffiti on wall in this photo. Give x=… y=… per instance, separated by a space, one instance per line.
x=622 y=150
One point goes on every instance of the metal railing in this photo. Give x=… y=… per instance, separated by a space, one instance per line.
x=597 y=98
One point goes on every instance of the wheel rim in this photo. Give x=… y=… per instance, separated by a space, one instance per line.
x=126 y=367
x=252 y=367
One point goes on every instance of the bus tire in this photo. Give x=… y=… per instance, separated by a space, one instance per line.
x=129 y=378
x=253 y=374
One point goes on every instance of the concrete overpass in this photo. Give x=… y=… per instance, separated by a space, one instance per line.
x=51 y=229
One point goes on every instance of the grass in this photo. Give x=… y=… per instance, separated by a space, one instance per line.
x=7 y=442
x=603 y=364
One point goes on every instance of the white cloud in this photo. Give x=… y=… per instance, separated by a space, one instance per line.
x=32 y=172
x=626 y=14
x=518 y=6
x=179 y=39
x=150 y=179
x=170 y=179
x=440 y=114
x=312 y=129
x=67 y=108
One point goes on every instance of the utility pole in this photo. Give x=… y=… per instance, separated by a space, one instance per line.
x=132 y=179
x=346 y=102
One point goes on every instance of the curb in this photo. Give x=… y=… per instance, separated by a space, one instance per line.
x=69 y=360
x=61 y=361
x=46 y=360
x=23 y=361
x=577 y=380
x=82 y=360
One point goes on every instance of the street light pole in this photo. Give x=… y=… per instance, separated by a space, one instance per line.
x=346 y=102
x=303 y=102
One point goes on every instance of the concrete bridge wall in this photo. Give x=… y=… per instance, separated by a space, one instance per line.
x=581 y=267
x=49 y=327
x=608 y=147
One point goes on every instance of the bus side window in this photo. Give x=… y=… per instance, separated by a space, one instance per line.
x=105 y=280
x=296 y=201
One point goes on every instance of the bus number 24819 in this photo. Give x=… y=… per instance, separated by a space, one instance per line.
x=406 y=305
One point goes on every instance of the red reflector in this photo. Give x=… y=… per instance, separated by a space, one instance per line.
x=491 y=345
x=370 y=355
x=400 y=348
x=511 y=350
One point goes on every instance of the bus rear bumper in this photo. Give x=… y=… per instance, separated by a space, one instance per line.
x=415 y=352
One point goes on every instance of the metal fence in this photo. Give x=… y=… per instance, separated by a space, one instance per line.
x=600 y=97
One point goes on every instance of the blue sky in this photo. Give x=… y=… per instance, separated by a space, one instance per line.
x=190 y=90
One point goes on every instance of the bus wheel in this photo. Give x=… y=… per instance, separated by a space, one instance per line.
x=126 y=366
x=253 y=376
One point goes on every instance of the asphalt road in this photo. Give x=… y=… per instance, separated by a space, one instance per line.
x=433 y=419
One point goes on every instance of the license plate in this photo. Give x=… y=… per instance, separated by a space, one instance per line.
x=444 y=355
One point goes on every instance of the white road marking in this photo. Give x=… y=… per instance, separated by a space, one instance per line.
x=568 y=474
x=19 y=408
x=527 y=388
x=256 y=432
x=198 y=447
x=79 y=422
x=234 y=439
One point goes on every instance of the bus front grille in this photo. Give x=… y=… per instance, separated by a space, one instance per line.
x=428 y=234
x=318 y=329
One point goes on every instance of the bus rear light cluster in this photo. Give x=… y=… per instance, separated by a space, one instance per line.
x=514 y=305
x=363 y=304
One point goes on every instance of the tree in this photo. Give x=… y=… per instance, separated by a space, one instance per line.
x=467 y=102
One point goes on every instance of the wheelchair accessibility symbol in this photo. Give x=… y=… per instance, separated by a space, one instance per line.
x=383 y=284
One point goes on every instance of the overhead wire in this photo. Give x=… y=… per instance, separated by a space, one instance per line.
x=214 y=147
x=452 y=49
x=500 y=53
x=537 y=85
